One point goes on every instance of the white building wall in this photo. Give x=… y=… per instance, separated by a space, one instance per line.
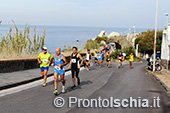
x=165 y=50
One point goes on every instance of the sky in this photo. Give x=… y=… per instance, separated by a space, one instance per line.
x=95 y=13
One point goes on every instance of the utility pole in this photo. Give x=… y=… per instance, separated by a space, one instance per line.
x=166 y=14
x=134 y=36
x=154 y=57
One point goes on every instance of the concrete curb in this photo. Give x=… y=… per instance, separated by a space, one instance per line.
x=161 y=83
x=25 y=81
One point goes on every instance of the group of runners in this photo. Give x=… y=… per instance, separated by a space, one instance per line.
x=99 y=57
x=58 y=60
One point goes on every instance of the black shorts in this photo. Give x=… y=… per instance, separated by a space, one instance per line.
x=87 y=60
x=95 y=59
x=108 y=60
x=120 y=60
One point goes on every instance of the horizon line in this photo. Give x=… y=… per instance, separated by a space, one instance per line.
x=77 y=26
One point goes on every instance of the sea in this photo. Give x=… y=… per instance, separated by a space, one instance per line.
x=60 y=36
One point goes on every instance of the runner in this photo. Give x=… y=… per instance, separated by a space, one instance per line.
x=103 y=55
x=75 y=66
x=114 y=49
x=120 y=57
x=131 y=58
x=95 y=56
x=88 y=58
x=108 y=58
x=44 y=59
x=99 y=57
x=59 y=61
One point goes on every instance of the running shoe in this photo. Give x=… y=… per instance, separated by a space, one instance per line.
x=55 y=92
x=44 y=84
x=86 y=68
x=73 y=87
x=63 y=89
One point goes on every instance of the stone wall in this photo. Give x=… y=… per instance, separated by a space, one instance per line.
x=18 y=65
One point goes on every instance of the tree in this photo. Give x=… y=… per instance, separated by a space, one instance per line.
x=146 y=41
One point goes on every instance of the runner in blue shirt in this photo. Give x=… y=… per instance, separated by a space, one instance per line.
x=59 y=61
x=99 y=56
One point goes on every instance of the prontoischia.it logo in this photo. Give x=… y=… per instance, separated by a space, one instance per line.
x=108 y=103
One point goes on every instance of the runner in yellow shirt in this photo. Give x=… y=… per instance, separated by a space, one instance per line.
x=131 y=58
x=44 y=59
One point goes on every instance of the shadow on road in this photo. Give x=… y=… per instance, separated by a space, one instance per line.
x=69 y=89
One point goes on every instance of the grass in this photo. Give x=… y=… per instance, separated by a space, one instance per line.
x=20 y=44
x=92 y=44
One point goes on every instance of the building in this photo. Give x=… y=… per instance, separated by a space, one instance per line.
x=103 y=34
x=165 y=50
x=114 y=34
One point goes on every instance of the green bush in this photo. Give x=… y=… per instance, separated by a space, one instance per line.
x=90 y=44
x=129 y=50
x=114 y=55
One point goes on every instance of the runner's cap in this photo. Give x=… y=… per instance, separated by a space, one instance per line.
x=44 y=48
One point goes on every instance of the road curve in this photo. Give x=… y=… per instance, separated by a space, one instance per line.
x=99 y=82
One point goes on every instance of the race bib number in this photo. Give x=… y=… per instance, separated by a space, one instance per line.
x=73 y=60
x=45 y=61
x=120 y=57
x=57 y=67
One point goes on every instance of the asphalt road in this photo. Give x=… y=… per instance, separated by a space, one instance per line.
x=99 y=82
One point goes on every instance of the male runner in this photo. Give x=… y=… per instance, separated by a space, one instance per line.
x=131 y=58
x=120 y=57
x=59 y=61
x=108 y=58
x=95 y=56
x=88 y=58
x=75 y=66
x=103 y=55
x=44 y=59
x=99 y=57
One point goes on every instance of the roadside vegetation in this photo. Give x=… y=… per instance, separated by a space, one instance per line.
x=20 y=44
x=146 y=41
